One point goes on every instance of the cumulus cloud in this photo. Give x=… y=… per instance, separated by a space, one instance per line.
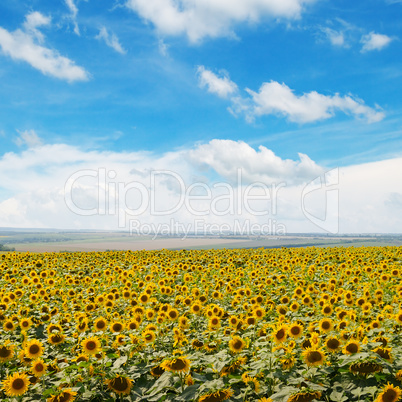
x=278 y=99
x=26 y=45
x=221 y=86
x=74 y=11
x=374 y=41
x=64 y=186
x=28 y=138
x=227 y=156
x=63 y=182
x=199 y=19
x=111 y=40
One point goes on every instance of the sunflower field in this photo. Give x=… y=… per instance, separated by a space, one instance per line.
x=263 y=325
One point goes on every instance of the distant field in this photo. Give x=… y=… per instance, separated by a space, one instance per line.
x=101 y=241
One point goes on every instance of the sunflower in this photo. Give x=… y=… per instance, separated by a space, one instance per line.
x=251 y=380
x=184 y=322
x=332 y=344
x=280 y=334
x=149 y=336
x=133 y=325
x=120 y=385
x=66 y=395
x=38 y=367
x=157 y=371
x=178 y=365
x=173 y=314
x=25 y=324
x=295 y=330
x=313 y=356
x=116 y=326
x=217 y=396
x=16 y=384
x=398 y=317
x=197 y=344
x=389 y=394
x=305 y=396
x=91 y=346
x=6 y=352
x=82 y=326
x=327 y=309
x=196 y=308
x=81 y=358
x=236 y=344
x=100 y=324
x=365 y=367
x=325 y=325
x=385 y=353
x=9 y=325
x=33 y=349
x=351 y=348
x=288 y=361
x=214 y=323
x=56 y=338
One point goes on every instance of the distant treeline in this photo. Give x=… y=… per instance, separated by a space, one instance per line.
x=5 y=248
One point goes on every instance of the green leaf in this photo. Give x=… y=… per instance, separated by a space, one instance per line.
x=120 y=361
x=337 y=396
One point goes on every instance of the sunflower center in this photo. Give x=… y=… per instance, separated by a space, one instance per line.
x=280 y=334
x=117 y=327
x=198 y=344
x=326 y=325
x=91 y=345
x=390 y=396
x=295 y=330
x=57 y=338
x=314 y=356
x=100 y=325
x=120 y=384
x=352 y=348
x=178 y=364
x=333 y=344
x=64 y=397
x=34 y=349
x=39 y=367
x=4 y=352
x=18 y=384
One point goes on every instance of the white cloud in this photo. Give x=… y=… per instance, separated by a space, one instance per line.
x=74 y=11
x=279 y=99
x=163 y=48
x=276 y=98
x=111 y=40
x=368 y=195
x=35 y=20
x=223 y=87
x=26 y=45
x=337 y=38
x=212 y=18
x=227 y=156
x=374 y=41
x=28 y=138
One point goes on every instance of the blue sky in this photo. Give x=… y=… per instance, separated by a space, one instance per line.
x=157 y=78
